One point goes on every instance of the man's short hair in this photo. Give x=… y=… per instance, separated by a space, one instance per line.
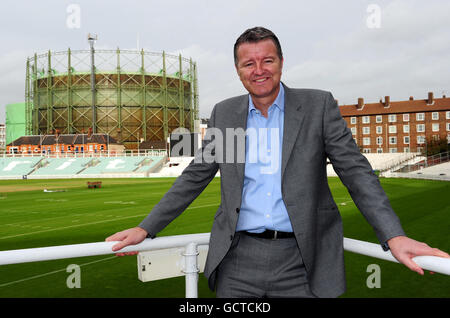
x=254 y=35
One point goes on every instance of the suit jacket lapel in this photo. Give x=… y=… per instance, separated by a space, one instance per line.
x=240 y=121
x=293 y=118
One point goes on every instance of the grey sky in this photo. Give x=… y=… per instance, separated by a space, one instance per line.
x=327 y=44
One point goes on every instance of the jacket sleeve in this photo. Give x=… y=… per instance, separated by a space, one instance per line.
x=357 y=174
x=186 y=188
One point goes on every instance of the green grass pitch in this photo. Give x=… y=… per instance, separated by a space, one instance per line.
x=30 y=217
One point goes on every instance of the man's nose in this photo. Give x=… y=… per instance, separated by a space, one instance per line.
x=259 y=69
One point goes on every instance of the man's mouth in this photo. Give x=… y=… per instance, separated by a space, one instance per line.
x=260 y=80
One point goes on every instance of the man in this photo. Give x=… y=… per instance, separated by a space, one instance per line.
x=278 y=232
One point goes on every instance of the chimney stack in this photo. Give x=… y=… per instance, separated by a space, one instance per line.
x=430 y=98
x=360 y=103
x=387 y=101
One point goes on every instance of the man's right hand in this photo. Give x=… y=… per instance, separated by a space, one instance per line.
x=131 y=236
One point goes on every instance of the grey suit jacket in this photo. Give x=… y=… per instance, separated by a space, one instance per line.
x=313 y=131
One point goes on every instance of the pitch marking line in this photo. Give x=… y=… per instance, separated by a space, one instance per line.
x=98 y=222
x=53 y=272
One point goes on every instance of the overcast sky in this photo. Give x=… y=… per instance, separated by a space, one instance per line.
x=352 y=48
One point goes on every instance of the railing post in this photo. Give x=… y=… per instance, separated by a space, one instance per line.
x=191 y=270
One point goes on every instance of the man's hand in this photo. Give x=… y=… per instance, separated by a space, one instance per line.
x=404 y=249
x=131 y=236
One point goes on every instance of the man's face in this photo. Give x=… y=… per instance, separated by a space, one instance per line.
x=259 y=68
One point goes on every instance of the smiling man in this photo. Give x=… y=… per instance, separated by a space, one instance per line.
x=278 y=232
x=259 y=66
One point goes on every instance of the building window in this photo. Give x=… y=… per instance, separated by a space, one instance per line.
x=366 y=141
x=392 y=118
x=435 y=116
x=353 y=129
x=393 y=150
x=420 y=139
x=366 y=130
x=405 y=117
x=366 y=150
x=393 y=129
x=379 y=119
x=379 y=150
x=448 y=126
x=366 y=119
x=379 y=129
x=406 y=140
x=392 y=140
x=435 y=127
x=420 y=116
x=406 y=149
x=420 y=127
x=406 y=128
x=353 y=120
x=447 y=115
x=379 y=140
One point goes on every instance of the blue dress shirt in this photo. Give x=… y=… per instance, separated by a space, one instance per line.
x=262 y=204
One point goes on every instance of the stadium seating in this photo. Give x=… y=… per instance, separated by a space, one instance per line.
x=382 y=161
x=151 y=164
x=85 y=167
x=15 y=167
x=439 y=171
x=115 y=165
x=174 y=167
x=61 y=166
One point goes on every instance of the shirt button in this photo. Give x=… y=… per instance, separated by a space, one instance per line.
x=269 y=194
x=267 y=215
x=238 y=210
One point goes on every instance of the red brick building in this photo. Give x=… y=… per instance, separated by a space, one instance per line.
x=60 y=144
x=402 y=126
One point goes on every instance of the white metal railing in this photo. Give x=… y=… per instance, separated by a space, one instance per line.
x=190 y=242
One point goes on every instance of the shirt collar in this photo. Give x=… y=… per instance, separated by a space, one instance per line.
x=279 y=101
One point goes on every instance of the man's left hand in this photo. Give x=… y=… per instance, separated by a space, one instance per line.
x=404 y=249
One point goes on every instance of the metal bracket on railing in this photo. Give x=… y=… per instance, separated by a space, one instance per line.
x=191 y=270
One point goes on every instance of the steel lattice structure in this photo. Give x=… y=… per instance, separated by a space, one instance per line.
x=138 y=95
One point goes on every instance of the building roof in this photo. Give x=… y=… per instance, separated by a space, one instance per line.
x=398 y=107
x=69 y=139
x=26 y=140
